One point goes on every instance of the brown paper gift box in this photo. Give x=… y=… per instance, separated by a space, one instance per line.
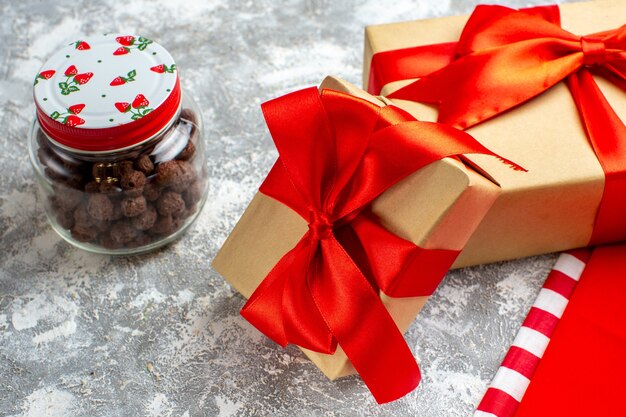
x=553 y=206
x=414 y=209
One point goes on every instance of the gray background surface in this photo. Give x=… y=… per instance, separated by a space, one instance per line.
x=160 y=334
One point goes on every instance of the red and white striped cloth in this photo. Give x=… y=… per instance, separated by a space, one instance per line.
x=513 y=377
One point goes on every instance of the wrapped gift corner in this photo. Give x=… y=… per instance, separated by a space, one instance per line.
x=553 y=206
x=415 y=209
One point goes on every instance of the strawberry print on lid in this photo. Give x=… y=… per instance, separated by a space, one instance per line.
x=44 y=75
x=105 y=82
x=81 y=45
x=162 y=69
x=137 y=109
x=129 y=43
x=120 y=80
x=69 y=117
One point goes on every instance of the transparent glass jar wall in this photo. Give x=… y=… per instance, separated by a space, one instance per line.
x=126 y=200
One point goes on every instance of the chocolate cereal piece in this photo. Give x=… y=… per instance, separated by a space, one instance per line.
x=110 y=188
x=107 y=242
x=162 y=225
x=141 y=240
x=122 y=232
x=188 y=212
x=117 y=211
x=186 y=177
x=132 y=183
x=188 y=115
x=165 y=225
x=152 y=191
x=81 y=216
x=66 y=198
x=170 y=204
x=84 y=232
x=144 y=164
x=145 y=220
x=133 y=206
x=169 y=173
x=193 y=194
x=65 y=218
x=100 y=207
x=187 y=152
x=101 y=225
x=125 y=167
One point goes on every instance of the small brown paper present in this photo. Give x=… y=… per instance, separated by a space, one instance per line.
x=415 y=209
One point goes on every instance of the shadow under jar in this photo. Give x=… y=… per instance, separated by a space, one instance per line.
x=119 y=158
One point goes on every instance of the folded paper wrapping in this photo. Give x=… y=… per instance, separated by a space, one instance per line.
x=414 y=209
x=553 y=206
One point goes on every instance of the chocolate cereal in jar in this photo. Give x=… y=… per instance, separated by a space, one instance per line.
x=117 y=145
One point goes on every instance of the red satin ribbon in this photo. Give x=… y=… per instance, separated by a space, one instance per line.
x=336 y=154
x=420 y=61
x=404 y=64
x=506 y=57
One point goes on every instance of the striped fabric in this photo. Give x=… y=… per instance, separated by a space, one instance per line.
x=510 y=382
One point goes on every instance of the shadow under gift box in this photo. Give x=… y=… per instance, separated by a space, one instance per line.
x=437 y=207
x=553 y=206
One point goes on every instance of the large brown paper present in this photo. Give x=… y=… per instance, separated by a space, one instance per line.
x=553 y=206
x=415 y=209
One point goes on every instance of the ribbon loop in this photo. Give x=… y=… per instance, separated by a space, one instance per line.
x=594 y=51
x=320 y=226
x=325 y=291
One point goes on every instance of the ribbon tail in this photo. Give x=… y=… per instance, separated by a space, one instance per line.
x=364 y=329
x=607 y=134
x=264 y=308
x=282 y=307
x=304 y=325
x=615 y=72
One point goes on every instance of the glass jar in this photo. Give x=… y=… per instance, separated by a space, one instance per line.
x=117 y=146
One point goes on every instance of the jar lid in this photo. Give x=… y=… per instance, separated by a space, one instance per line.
x=106 y=93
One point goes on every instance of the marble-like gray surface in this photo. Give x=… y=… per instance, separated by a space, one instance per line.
x=160 y=334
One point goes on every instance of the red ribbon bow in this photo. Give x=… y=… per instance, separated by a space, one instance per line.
x=336 y=154
x=506 y=57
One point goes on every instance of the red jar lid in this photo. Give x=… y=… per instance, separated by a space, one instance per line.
x=107 y=93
